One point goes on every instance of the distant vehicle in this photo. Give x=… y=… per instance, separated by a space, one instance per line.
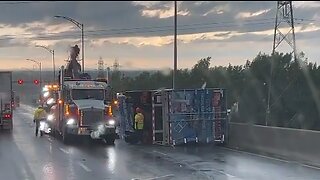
x=6 y=100
x=17 y=101
x=13 y=103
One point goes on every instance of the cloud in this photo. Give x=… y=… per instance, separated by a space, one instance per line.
x=218 y=10
x=251 y=14
x=306 y=4
x=199 y=3
x=163 y=13
x=13 y=43
x=160 y=10
x=142 y=30
x=135 y=41
x=8 y=30
x=147 y=4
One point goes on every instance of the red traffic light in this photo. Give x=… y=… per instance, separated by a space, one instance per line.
x=20 y=81
x=36 y=81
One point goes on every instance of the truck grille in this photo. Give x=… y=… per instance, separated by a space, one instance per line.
x=91 y=117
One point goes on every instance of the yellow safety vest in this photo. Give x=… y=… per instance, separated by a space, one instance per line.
x=39 y=114
x=138 y=121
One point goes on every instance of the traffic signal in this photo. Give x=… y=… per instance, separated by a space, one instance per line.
x=20 y=81
x=36 y=81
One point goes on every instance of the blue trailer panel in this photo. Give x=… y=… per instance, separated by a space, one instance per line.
x=179 y=116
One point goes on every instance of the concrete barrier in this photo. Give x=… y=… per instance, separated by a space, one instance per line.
x=292 y=144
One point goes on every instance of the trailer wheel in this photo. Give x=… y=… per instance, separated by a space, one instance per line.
x=53 y=132
x=66 y=137
x=110 y=140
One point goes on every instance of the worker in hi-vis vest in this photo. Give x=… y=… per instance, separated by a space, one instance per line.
x=138 y=123
x=39 y=114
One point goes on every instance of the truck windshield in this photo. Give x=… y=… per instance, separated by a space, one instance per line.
x=97 y=94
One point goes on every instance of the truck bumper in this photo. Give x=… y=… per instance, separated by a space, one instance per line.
x=94 y=133
x=6 y=124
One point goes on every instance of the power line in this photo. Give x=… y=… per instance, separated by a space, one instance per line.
x=159 y=27
x=130 y=31
x=150 y=27
x=127 y=30
x=23 y=2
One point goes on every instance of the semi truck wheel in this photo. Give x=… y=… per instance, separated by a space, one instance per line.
x=110 y=140
x=66 y=137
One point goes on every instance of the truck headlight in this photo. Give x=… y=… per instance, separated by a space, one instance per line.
x=42 y=125
x=46 y=94
x=50 y=101
x=101 y=128
x=111 y=122
x=71 y=121
x=50 y=117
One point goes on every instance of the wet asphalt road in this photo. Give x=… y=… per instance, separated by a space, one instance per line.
x=26 y=157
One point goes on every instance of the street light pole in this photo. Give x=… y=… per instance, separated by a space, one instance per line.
x=82 y=42
x=53 y=62
x=54 y=66
x=40 y=75
x=40 y=68
x=80 y=26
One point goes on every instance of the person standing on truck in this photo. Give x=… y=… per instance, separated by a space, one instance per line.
x=138 y=123
x=39 y=114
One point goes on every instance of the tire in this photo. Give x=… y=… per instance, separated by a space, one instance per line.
x=66 y=137
x=53 y=132
x=110 y=140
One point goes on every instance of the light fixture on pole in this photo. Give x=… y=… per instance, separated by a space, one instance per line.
x=80 y=26
x=53 y=62
x=39 y=64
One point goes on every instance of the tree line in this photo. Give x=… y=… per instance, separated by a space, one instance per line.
x=293 y=86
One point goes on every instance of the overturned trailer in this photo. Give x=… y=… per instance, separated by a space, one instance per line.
x=174 y=117
x=128 y=102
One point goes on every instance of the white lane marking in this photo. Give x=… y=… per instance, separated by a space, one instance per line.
x=63 y=150
x=160 y=177
x=226 y=174
x=285 y=161
x=164 y=154
x=258 y=155
x=85 y=167
x=312 y=167
x=229 y=175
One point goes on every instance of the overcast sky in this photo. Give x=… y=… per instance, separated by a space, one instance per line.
x=139 y=34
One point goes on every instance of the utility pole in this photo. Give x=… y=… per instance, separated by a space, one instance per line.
x=101 y=73
x=175 y=46
x=284 y=18
x=116 y=65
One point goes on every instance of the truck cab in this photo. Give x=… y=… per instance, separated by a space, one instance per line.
x=83 y=108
